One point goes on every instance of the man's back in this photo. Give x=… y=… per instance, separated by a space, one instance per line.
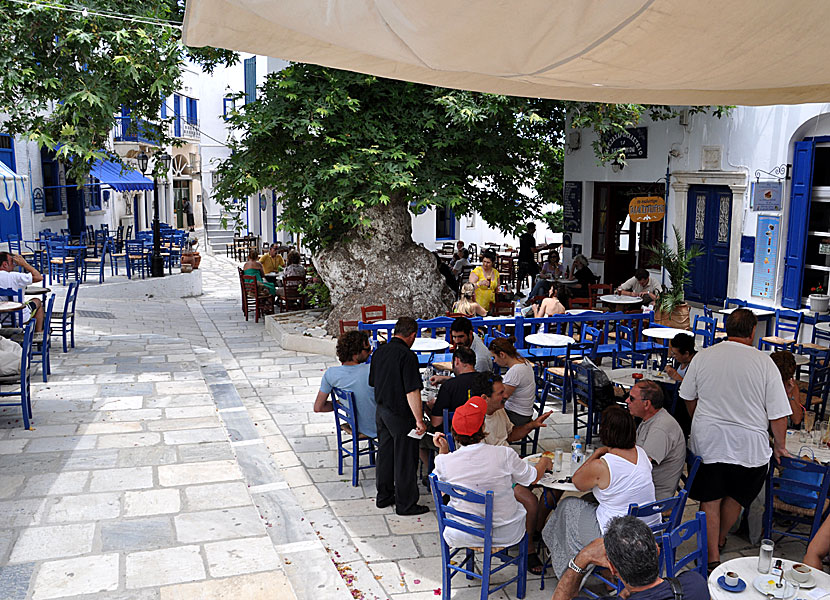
x=663 y=440
x=354 y=378
x=454 y=392
x=394 y=373
x=693 y=585
x=14 y=280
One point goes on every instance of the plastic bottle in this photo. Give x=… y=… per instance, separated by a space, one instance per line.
x=577 y=455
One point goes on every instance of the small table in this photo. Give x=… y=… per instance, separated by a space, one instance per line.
x=551 y=340
x=758 y=312
x=615 y=299
x=794 y=445
x=623 y=377
x=429 y=344
x=7 y=306
x=664 y=333
x=747 y=569
x=555 y=480
x=581 y=311
x=35 y=291
x=824 y=326
x=566 y=281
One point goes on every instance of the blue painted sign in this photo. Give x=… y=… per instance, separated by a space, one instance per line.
x=766 y=256
x=766 y=196
x=263 y=203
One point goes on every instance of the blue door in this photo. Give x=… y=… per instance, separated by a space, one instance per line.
x=708 y=225
x=9 y=217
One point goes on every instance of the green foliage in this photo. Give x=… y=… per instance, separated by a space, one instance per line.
x=66 y=74
x=316 y=292
x=334 y=143
x=678 y=262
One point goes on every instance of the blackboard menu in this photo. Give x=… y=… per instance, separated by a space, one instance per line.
x=572 y=206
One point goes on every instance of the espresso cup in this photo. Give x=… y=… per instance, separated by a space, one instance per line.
x=731 y=578
x=800 y=573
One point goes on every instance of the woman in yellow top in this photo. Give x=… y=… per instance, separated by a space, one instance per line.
x=486 y=280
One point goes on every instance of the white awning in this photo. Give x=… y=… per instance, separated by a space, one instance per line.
x=678 y=52
x=11 y=187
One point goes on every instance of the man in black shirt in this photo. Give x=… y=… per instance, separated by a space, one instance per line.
x=527 y=262
x=455 y=391
x=395 y=375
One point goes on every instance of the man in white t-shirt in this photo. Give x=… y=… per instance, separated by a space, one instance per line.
x=734 y=393
x=15 y=280
x=642 y=285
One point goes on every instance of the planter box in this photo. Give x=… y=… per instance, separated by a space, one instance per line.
x=819 y=302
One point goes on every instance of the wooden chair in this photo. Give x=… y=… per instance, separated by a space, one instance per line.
x=473 y=249
x=261 y=302
x=373 y=314
x=580 y=303
x=291 y=297
x=503 y=309
x=786 y=322
x=595 y=290
x=347 y=326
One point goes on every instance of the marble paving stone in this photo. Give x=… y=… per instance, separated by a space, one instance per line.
x=171 y=424
x=127 y=389
x=237 y=557
x=76 y=576
x=365 y=526
x=151 y=502
x=86 y=507
x=128 y=478
x=22 y=513
x=142 y=414
x=195 y=436
x=326 y=583
x=43 y=431
x=394 y=547
x=400 y=525
x=189 y=412
x=362 y=583
x=309 y=497
x=57 y=541
x=285 y=459
x=428 y=544
x=202 y=472
x=217 y=495
x=273 y=584
x=6 y=537
x=12 y=446
x=115 y=403
x=331 y=474
x=137 y=534
x=61 y=444
x=129 y=440
x=164 y=567
x=105 y=428
x=357 y=508
x=205 y=452
x=179 y=400
x=337 y=491
x=277 y=443
x=91 y=459
x=56 y=484
x=148 y=456
x=195 y=387
x=15 y=579
x=218 y=524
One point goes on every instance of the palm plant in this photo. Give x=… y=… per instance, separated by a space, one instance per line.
x=677 y=262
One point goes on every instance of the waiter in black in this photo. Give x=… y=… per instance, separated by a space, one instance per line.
x=527 y=262
x=395 y=375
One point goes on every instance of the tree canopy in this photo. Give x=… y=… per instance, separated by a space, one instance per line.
x=68 y=70
x=334 y=143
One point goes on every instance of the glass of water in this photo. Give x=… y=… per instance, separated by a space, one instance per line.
x=765 y=556
x=557 y=461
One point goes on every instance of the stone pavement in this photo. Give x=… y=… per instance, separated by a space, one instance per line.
x=176 y=455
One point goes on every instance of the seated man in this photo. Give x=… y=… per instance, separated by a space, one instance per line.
x=629 y=551
x=482 y=468
x=642 y=285
x=462 y=262
x=272 y=260
x=660 y=436
x=459 y=246
x=353 y=351
x=455 y=391
x=461 y=334
x=14 y=280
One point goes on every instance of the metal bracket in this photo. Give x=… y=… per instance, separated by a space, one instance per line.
x=779 y=172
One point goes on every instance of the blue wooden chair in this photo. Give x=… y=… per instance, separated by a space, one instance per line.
x=11 y=319
x=692 y=465
x=627 y=354
x=581 y=383
x=136 y=258
x=42 y=341
x=557 y=376
x=60 y=261
x=787 y=328
x=720 y=327
x=798 y=495
x=67 y=316
x=675 y=504
x=479 y=527
x=96 y=262
x=734 y=303
x=696 y=528
x=345 y=413
x=818 y=383
x=532 y=438
x=448 y=428
x=705 y=327
x=18 y=385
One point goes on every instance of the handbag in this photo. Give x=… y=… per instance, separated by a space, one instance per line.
x=801 y=476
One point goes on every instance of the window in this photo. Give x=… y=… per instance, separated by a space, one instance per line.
x=250 y=79
x=53 y=192
x=600 y=221
x=163 y=106
x=228 y=106
x=192 y=111
x=444 y=223
x=92 y=195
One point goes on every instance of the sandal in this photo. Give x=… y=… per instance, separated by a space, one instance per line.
x=534 y=565
x=712 y=566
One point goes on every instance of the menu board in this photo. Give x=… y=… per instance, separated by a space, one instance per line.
x=766 y=196
x=572 y=206
x=766 y=256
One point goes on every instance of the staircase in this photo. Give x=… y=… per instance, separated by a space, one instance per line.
x=218 y=238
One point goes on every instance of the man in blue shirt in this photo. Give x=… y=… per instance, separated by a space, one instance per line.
x=353 y=351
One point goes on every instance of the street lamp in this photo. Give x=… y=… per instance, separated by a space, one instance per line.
x=156 y=260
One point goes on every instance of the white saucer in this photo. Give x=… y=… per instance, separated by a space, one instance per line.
x=807 y=585
x=763 y=585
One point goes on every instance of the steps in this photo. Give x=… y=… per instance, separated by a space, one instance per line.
x=217 y=236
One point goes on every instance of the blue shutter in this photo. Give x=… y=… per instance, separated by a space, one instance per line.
x=177 y=115
x=797 y=228
x=163 y=107
x=250 y=79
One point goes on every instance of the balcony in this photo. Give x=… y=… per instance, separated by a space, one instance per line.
x=186 y=128
x=129 y=130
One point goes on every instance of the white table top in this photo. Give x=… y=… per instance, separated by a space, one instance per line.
x=579 y=311
x=566 y=281
x=758 y=312
x=798 y=448
x=553 y=480
x=825 y=326
x=9 y=306
x=429 y=344
x=747 y=569
x=549 y=339
x=614 y=299
x=624 y=377
x=664 y=333
x=386 y=322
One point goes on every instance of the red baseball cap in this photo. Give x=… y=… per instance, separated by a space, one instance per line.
x=469 y=417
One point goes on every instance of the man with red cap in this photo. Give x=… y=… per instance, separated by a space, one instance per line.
x=482 y=468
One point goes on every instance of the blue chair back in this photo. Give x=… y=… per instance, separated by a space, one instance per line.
x=692 y=465
x=345 y=412
x=801 y=484
x=675 y=504
x=821 y=336
x=344 y=408
x=705 y=327
x=736 y=302
x=696 y=528
x=448 y=428
x=818 y=385
x=788 y=322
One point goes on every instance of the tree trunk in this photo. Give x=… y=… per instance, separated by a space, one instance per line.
x=383 y=265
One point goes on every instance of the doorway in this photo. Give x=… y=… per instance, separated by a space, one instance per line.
x=709 y=225
x=181 y=192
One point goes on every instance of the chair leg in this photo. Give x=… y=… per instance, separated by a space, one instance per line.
x=355 y=456
x=65 y=349
x=521 y=584
x=72 y=344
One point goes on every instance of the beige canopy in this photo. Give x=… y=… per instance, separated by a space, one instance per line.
x=643 y=51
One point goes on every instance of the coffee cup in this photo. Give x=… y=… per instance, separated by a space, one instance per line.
x=731 y=578
x=800 y=573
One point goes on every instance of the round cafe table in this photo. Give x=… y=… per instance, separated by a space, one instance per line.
x=747 y=569
x=550 y=340
x=615 y=299
x=555 y=480
x=664 y=333
x=580 y=311
x=623 y=377
x=825 y=326
x=7 y=306
x=35 y=290
x=429 y=344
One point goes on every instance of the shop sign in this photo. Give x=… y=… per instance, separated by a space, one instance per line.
x=632 y=142
x=766 y=256
x=824 y=248
x=572 y=206
x=647 y=209
x=766 y=196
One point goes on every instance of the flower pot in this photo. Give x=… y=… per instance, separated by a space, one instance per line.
x=819 y=302
x=197 y=259
x=191 y=258
x=187 y=267
x=678 y=318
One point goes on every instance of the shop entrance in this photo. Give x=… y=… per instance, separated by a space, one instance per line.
x=708 y=225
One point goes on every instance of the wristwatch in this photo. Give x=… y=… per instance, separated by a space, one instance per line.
x=575 y=568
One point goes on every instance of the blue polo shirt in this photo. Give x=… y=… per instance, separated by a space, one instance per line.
x=354 y=378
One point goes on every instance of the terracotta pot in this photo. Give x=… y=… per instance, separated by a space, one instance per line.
x=187 y=268
x=197 y=259
x=678 y=318
x=188 y=259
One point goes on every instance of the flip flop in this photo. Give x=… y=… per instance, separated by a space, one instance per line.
x=534 y=565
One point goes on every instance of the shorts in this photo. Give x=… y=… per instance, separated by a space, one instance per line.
x=719 y=480
x=518 y=419
x=29 y=311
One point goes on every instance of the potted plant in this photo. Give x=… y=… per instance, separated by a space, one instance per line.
x=670 y=308
x=818 y=299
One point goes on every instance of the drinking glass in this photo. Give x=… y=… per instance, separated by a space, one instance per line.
x=765 y=556
x=825 y=433
x=809 y=421
x=557 y=461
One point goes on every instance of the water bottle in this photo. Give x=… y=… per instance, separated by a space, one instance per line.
x=577 y=456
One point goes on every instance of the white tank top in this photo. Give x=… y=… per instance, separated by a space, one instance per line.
x=630 y=484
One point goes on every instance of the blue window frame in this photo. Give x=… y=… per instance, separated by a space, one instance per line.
x=92 y=196
x=250 y=80
x=192 y=110
x=228 y=105
x=163 y=106
x=444 y=223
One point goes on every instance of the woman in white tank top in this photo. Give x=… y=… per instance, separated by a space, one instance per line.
x=618 y=474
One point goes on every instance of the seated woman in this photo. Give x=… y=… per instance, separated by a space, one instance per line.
x=467 y=304
x=294 y=268
x=819 y=547
x=551 y=271
x=486 y=280
x=519 y=381
x=583 y=275
x=681 y=349
x=618 y=474
x=555 y=304
x=254 y=267
x=785 y=361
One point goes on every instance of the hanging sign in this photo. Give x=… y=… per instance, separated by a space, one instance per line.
x=633 y=142
x=572 y=206
x=647 y=209
x=766 y=196
x=263 y=203
x=766 y=256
